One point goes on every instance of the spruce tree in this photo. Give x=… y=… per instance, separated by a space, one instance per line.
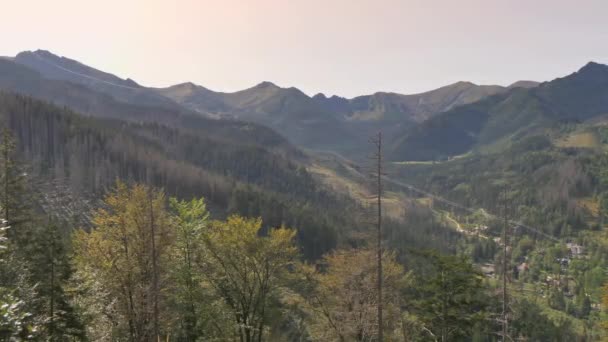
x=51 y=270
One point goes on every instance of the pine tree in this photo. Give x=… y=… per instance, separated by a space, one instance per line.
x=50 y=271
x=450 y=298
x=16 y=321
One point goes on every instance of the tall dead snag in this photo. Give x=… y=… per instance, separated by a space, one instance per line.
x=377 y=157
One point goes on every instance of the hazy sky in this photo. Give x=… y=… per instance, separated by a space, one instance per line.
x=344 y=47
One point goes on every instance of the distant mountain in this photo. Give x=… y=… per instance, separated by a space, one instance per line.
x=418 y=107
x=54 y=67
x=18 y=78
x=266 y=99
x=319 y=122
x=510 y=115
x=287 y=110
x=263 y=102
x=524 y=84
x=69 y=69
x=195 y=97
x=331 y=123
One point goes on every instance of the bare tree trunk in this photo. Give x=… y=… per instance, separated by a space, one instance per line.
x=155 y=293
x=6 y=167
x=52 y=306
x=191 y=321
x=378 y=157
x=128 y=286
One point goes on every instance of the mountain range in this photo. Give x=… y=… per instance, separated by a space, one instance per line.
x=507 y=117
x=434 y=125
x=318 y=122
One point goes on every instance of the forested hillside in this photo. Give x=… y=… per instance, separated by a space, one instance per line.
x=551 y=188
x=85 y=156
x=507 y=117
x=91 y=154
x=65 y=202
x=178 y=281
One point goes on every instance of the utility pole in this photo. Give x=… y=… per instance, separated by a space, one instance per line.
x=505 y=266
x=377 y=141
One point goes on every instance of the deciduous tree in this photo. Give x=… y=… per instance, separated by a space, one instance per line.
x=246 y=268
x=127 y=251
x=341 y=297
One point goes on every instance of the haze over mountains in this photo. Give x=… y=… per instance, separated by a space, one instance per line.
x=318 y=122
x=437 y=124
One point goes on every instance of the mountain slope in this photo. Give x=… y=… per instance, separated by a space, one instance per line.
x=521 y=111
x=418 y=107
x=196 y=97
x=87 y=155
x=21 y=79
x=69 y=69
x=54 y=67
x=333 y=123
x=287 y=110
x=524 y=84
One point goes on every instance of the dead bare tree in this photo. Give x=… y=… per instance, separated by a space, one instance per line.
x=377 y=157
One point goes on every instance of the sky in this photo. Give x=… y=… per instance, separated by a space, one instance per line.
x=343 y=47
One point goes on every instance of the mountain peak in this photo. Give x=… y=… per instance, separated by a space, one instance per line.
x=184 y=90
x=523 y=84
x=593 y=67
x=266 y=84
x=186 y=85
x=44 y=53
x=592 y=72
x=463 y=83
x=58 y=67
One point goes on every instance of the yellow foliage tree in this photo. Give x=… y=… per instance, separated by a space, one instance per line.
x=126 y=251
x=246 y=268
x=342 y=297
